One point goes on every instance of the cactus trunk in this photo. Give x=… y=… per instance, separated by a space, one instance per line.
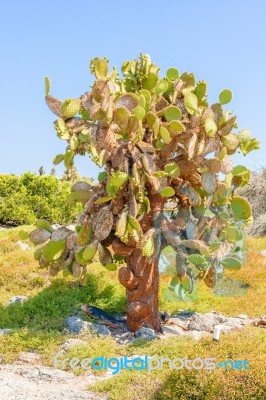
x=141 y=279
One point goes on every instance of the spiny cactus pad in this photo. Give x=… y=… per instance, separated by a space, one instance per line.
x=159 y=142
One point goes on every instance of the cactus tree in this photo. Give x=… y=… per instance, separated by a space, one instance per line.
x=168 y=180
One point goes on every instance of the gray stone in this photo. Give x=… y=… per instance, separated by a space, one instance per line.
x=182 y=322
x=101 y=329
x=75 y=324
x=185 y=313
x=172 y=330
x=5 y=331
x=146 y=333
x=17 y=299
x=234 y=322
x=205 y=322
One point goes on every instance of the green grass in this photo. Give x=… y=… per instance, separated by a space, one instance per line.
x=183 y=384
x=38 y=324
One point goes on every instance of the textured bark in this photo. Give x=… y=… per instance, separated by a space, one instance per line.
x=141 y=278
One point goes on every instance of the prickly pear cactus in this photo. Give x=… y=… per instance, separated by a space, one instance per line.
x=168 y=178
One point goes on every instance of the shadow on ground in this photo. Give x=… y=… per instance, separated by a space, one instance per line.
x=48 y=309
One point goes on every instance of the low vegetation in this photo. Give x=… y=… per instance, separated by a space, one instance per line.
x=38 y=324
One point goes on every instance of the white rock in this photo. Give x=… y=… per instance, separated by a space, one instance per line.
x=23 y=246
x=5 y=331
x=17 y=299
x=29 y=357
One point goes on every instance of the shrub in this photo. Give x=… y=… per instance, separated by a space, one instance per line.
x=28 y=197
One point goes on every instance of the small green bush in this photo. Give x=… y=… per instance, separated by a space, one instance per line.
x=26 y=198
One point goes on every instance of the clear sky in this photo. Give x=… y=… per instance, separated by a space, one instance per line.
x=222 y=42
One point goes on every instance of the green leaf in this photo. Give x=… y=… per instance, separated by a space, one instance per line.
x=151 y=118
x=68 y=159
x=139 y=112
x=102 y=176
x=172 y=74
x=59 y=158
x=23 y=235
x=43 y=224
x=187 y=284
x=241 y=208
x=215 y=245
x=224 y=215
x=147 y=97
x=103 y=199
x=84 y=235
x=254 y=144
x=239 y=170
x=191 y=102
x=180 y=291
x=225 y=96
x=111 y=266
x=167 y=192
x=196 y=259
x=100 y=67
x=54 y=249
x=47 y=85
x=172 y=113
x=79 y=258
x=173 y=282
x=161 y=87
x=165 y=135
x=200 y=90
x=116 y=181
x=176 y=127
x=90 y=251
x=150 y=81
x=233 y=234
x=231 y=263
x=172 y=169
x=134 y=223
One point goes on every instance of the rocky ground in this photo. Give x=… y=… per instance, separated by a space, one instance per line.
x=26 y=381
x=186 y=323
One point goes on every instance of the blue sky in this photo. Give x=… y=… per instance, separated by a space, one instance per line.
x=222 y=42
